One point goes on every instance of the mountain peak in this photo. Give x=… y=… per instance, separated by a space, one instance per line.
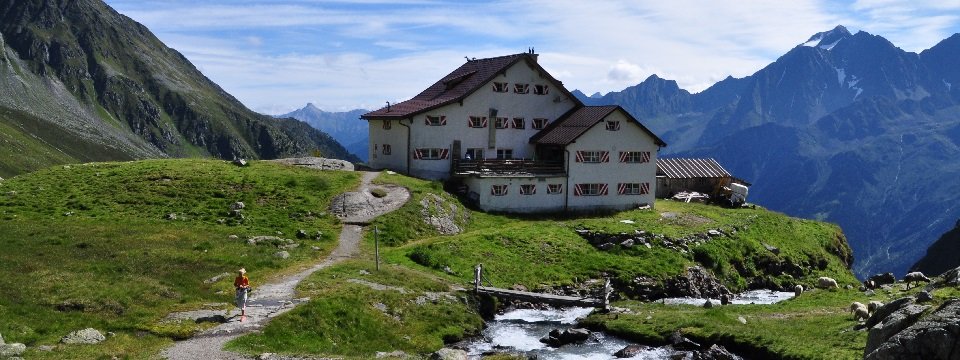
x=828 y=39
x=311 y=106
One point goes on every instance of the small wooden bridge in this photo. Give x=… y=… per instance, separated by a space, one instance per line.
x=602 y=301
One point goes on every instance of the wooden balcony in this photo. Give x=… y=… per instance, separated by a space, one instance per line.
x=512 y=167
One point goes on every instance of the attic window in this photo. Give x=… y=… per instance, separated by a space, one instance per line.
x=539 y=123
x=500 y=87
x=521 y=88
x=477 y=122
x=431 y=120
x=540 y=89
x=502 y=122
x=387 y=149
x=613 y=125
x=518 y=123
x=387 y=125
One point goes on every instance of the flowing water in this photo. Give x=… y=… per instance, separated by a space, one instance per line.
x=520 y=331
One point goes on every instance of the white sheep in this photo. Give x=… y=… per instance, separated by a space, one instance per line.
x=873 y=306
x=797 y=290
x=825 y=283
x=859 y=311
x=914 y=277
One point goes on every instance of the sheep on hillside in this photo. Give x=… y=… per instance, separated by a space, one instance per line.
x=825 y=283
x=797 y=290
x=859 y=310
x=915 y=277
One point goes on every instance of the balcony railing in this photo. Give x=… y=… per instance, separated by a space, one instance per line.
x=494 y=167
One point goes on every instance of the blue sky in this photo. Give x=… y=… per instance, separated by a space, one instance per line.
x=275 y=56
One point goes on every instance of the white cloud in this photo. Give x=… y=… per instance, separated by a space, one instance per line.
x=345 y=54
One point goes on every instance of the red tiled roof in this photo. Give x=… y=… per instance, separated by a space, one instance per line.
x=457 y=85
x=575 y=122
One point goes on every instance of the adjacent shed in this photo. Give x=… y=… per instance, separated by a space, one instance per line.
x=701 y=175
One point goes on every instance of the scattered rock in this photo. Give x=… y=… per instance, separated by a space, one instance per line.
x=449 y=354
x=240 y=162
x=301 y=234
x=233 y=237
x=11 y=350
x=605 y=246
x=392 y=355
x=775 y=250
x=627 y=243
x=315 y=248
x=923 y=297
x=217 y=319
x=85 y=336
x=282 y=254
x=742 y=320
x=557 y=338
x=216 y=278
x=717 y=352
x=364 y=272
x=70 y=213
x=708 y=304
x=171 y=216
x=630 y=351
x=45 y=348
x=680 y=342
x=713 y=233
x=696 y=283
x=448 y=270
x=239 y=205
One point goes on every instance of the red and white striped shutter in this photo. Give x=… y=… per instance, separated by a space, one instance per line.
x=579 y=156
x=443 y=120
x=443 y=153
x=426 y=120
x=533 y=189
x=605 y=156
x=645 y=157
x=623 y=156
x=622 y=188
x=505 y=188
x=644 y=188
x=417 y=154
x=616 y=125
x=559 y=188
x=603 y=189
x=484 y=121
x=577 y=190
x=493 y=190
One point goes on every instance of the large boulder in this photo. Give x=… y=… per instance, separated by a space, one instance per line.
x=696 y=283
x=630 y=351
x=11 y=350
x=557 y=338
x=85 y=336
x=449 y=354
x=935 y=335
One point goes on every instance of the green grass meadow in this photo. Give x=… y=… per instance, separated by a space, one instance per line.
x=91 y=245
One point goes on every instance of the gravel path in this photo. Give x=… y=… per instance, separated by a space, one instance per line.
x=270 y=300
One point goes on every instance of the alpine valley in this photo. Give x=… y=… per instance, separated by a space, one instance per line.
x=846 y=128
x=80 y=82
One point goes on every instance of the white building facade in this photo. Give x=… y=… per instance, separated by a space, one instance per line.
x=517 y=141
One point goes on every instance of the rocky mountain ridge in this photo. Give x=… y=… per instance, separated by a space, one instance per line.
x=346 y=127
x=870 y=129
x=78 y=76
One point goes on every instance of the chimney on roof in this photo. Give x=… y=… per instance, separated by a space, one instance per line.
x=532 y=53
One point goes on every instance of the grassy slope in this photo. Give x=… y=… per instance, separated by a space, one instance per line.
x=115 y=263
x=509 y=245
x=343 y=319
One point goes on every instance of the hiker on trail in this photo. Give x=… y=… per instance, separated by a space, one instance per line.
x=242 y=283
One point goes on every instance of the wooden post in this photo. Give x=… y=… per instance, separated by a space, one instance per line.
x=477 y=273
x=376 y=245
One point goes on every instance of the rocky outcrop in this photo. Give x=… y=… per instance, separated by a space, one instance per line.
x=696 y=283
x=606 y=241
x=908 y=333
x=85 y=336
x=449 y=354
x=443 y=215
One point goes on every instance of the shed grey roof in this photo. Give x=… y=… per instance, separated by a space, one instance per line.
x=577 y=121
x=681 y=168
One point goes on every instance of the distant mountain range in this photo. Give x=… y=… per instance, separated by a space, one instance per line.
x=81 y=82
x=844 y=127
x=346 y=127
